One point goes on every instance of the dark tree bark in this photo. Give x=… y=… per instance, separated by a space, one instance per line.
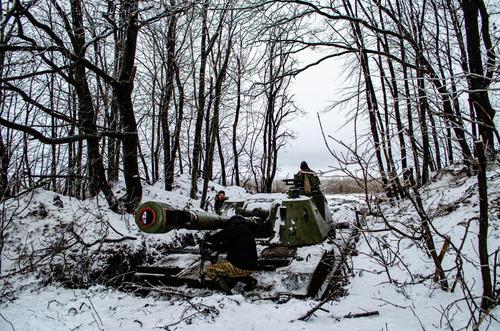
x=371 y=100
x=222 y=160
x=269 y=151
x=457 y=29
x=209 y=127
x=396 y=105
x=267 y=139
x=4 y=170
x=487 y=300
x=86 y=113
x=207 y=44
x=169 y=180
x=479 y=79
x=409 y=117
x=114 y=145
x=427 y=235
x=235 y=122
x=4 y=152
x=53 y=134
x=449 y=159
x=214 y=130
x=423 y=108
x=385 y=133
x=435 y=139
x=113 y=117
x=201 y=104
x=167 y=98
x=122 y=90
x=423 y=105
x=74 y=160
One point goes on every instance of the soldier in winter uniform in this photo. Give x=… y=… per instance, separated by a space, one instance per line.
x=239 y=242
x=219 y=200
x=306 y=179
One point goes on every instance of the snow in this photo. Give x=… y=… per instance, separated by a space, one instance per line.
x=404 y=293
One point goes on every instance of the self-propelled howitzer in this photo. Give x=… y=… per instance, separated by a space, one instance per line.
x=291 y=231
x=291 y=220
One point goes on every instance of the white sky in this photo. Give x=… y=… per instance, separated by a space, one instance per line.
x=314 y=90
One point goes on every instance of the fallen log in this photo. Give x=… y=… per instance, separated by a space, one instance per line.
x=365 y=314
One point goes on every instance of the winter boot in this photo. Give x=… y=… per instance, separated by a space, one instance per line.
x=224 y=286
x=249 y=282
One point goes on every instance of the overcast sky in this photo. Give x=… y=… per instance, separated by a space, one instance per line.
x=314 y=90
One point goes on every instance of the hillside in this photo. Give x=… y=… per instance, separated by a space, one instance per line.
x=63 y=261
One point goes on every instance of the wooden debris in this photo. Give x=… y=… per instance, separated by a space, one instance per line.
x=365 y=314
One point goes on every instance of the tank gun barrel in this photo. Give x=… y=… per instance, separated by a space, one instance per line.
x=158 y=217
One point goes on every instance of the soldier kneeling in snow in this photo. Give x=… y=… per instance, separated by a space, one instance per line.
x=239 y=241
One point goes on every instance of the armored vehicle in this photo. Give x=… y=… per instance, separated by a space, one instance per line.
x=294 y=233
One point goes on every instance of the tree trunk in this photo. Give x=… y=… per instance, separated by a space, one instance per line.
x=201 y=104
x=372 y=108
x=167 y=97
x=114 y=145
x=395 y=97
x=423 y=108
x=235 y=123
x=205 y=49
x=122 y=90
x=169 y=180
x=409 y=118
x=4 y=152
x=4 y=170
x=223 y=174
x=214 y=131
x=435 y=138
x=385 y=134
x=87 y=115
x=487 y=301
x=53 y=134
x=427 y=236
x=478 y=80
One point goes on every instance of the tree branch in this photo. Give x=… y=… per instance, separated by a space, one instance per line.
x=56 y=141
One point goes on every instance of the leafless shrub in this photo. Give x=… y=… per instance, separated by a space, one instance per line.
x=349 y=186
x=338 y=186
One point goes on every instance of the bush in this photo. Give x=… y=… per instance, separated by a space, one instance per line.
x=348 y=186
x=337 y=186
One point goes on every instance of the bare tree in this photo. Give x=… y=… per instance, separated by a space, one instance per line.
x=220 y=66
x=207 y=44
x=278 y=104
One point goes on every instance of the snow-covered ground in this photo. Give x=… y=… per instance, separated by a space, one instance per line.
x=54 y=241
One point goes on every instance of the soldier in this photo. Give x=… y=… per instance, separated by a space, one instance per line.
x=241 y=260
x=219 y=200
x=306 y=179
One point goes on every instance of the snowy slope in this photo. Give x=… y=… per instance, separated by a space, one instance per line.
x=71 y=242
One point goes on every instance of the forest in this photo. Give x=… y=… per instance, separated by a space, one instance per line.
x=98 y=94
x=141 y=90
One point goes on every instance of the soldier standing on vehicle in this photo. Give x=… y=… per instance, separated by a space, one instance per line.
x=306 y=178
